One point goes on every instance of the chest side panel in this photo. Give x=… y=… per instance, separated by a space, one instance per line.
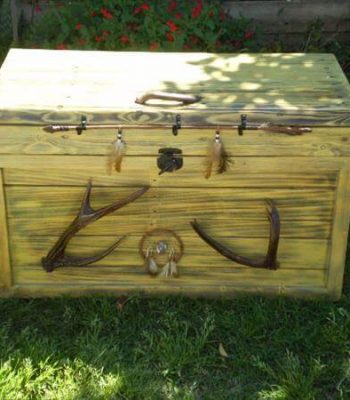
x=5 y=263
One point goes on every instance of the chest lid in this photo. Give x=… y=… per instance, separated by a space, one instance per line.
x=48 y=86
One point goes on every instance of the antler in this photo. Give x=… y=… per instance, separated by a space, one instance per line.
x=269 y=261
x=57 y=257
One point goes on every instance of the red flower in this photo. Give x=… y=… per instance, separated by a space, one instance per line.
x=238 y=44
x=99 y=39
x=61 y=46
x=172 y=5
x=93 y=14
x=153 y=46
x=124 y=39
x=170 y=37
x=197 y=10
x=37 y=8
x=78 y=26
x=106 y=13
x=173 y=27
x=143 y=7
x=222 y=15
x=249 y=35
x=106 y=33
x=82 y=42
x=178 y=15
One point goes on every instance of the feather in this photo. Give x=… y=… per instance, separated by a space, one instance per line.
x=152 y=267
x=170 y=268
x=173 y=269
x=217 y=159
x=116 y=154
x=150 y=264
x=166 y=272
x=289 y=130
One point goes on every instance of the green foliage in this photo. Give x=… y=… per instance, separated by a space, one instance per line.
x=151 y=25
x=5 y=23
x=316 y=41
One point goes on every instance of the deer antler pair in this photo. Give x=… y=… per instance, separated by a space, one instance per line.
x=269 y=261
x=86 y=216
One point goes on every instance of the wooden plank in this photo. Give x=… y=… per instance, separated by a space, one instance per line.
x=293 y=253
x=232 y=178
x=54 y=290
x=256 y=114
x=247 y=95
x=35 y=202
x=189 y=276
x=47 y=97
x=293 y=15
x=5 y=263
x=138 y=171
x=224 y=226
x=226 y=212
x=193 y=166
x=339 y=235
x=25 y=177
x=320 y=142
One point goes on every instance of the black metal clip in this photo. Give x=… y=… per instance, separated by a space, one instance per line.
x=177 y=124
x=169 y=160
x=243 y=124
x=83 y=125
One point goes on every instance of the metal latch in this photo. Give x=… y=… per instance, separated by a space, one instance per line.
x=169 y=160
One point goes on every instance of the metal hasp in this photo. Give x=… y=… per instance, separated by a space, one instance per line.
x=243 y=124
x=269 y=261
x=170 y=160
x=177 y=126
x=83 y=125
x=57 y=258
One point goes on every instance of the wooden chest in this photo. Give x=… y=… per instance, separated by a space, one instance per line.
x=271 y=130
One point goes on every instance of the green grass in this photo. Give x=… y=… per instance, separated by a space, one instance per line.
x=168 y=348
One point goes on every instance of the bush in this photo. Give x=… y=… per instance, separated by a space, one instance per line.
x=199 y=25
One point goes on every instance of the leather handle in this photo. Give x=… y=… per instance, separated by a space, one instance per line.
x=185 y=99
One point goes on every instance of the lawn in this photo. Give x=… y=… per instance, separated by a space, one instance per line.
x=168 y=348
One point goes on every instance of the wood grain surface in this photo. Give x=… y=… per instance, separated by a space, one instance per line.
x=44 y=176
x=305 y=213
x=321 y=142
x=339 y=234
x=5 y=262
x=199 y=266
x=63 y=85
